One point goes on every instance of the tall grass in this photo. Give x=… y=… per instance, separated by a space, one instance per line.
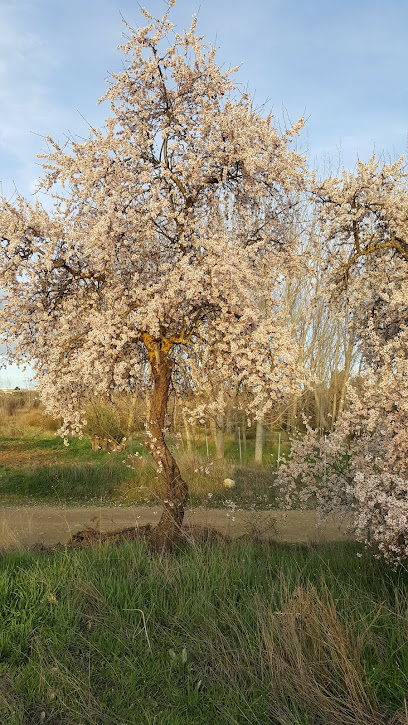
x=240 y=633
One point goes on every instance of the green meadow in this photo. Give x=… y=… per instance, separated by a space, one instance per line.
x=35 y=466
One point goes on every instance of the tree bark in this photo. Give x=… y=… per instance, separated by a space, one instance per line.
x=169 y=526
x=259 y=440
x=217 y=427
x=292 y=416
x=243 y=421
x=133 y=404
x=347 y=365
x=187 y=429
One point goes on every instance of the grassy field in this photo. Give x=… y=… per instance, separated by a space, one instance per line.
x=246 y=633
x=35 y=466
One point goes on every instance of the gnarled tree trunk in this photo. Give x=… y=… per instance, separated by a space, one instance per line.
x=169 y=526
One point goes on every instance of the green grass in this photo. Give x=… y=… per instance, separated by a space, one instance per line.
x=75 y=475
x=114 y=635
x=37 y=468
x=247 y=454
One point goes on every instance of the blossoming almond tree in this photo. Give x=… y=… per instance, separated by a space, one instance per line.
x=161 y=225
x=363 y=464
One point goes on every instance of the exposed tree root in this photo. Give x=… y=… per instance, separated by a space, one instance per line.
x=89 y=535
x=155 y=538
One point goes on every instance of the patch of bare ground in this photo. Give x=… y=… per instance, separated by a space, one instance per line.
x=46 y=526
x=15 y=457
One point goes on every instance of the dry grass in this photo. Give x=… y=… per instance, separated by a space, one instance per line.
x=307 y=657
x=11 y=701
x=314 y=660
x=74 y=691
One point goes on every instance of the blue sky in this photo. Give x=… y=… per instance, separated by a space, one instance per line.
x=341 y=64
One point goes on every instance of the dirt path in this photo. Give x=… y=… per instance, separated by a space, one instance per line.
x=22 y=526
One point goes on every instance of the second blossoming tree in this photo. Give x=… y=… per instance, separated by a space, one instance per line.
x=362 y=466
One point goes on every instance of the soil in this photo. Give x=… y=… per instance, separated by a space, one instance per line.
x=46 y=526
x=14 y=457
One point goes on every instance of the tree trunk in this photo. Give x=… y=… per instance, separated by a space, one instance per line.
x=317 y=408
x=244 y=430
x=131 y=416
x=292 y=416
x=169 y=526
x=187 y=430
x=217 y=430
x=259 y=440
x=219 y=438
x=347 y=366
x=228 y=421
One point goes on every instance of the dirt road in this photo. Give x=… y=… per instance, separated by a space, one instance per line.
x=24 y=526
